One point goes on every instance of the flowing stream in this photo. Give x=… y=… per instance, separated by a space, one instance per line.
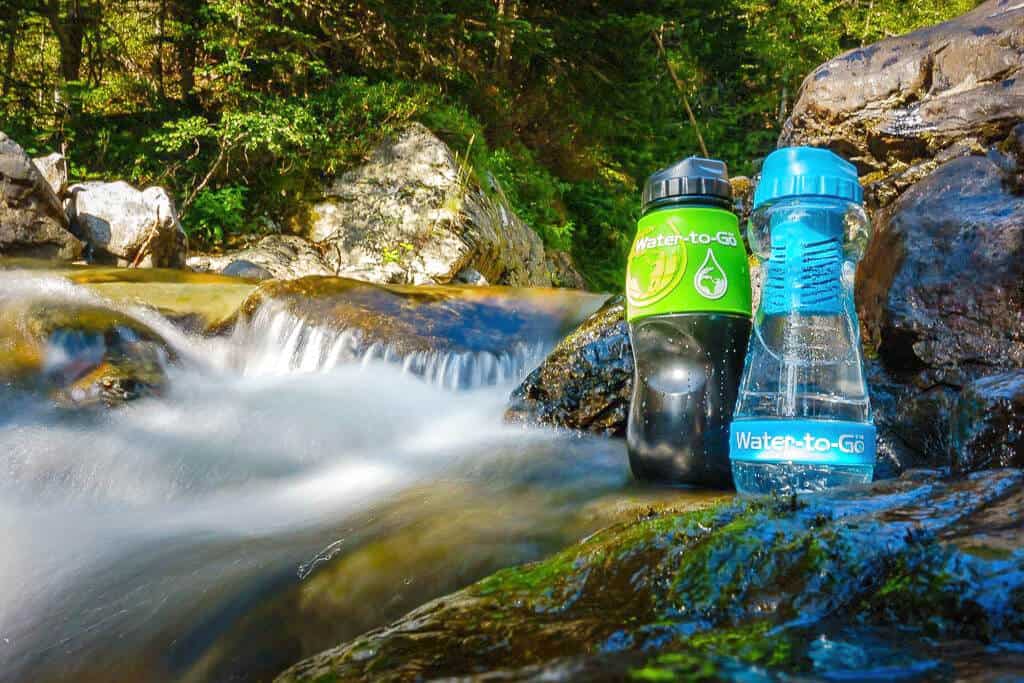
x=286 y=492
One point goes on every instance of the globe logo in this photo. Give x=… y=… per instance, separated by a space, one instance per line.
x=654 y=273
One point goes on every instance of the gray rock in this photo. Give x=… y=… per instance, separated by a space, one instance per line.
x=126 y=226
x=414 y=214
x=988 y=424
x=285 y=257
x=246 y=269
x=471 y=276
x=54 y=168
x=901 y=106
x=32 y=220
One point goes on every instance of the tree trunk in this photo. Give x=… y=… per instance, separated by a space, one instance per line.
x=158 y=63
x=70 y=32
x=186 y=13
x=504 y=37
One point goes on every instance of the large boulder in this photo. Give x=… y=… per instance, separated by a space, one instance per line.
x=127 y=227
x=54 y=168
x=412 y=214
x=284 y=257
x=988 y=423
x=900 y=106
x=32 y=220
x=912 y=578
x=940 y=298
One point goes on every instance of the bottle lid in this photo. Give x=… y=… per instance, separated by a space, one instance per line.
x=690 y=181
x=807 y=171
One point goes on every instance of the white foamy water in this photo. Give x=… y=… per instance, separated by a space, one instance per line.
x=134 y=539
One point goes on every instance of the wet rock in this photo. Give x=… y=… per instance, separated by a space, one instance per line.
x=124 y=226
x=285 y=257
x=811 y=587
x=54 y=168
x=32 y=220
x=988 y=423
x=458 y=336
x=940 y=298
x=901 y=106
x=586 y=382
x=563 y=271
x=80 y=355
x=414 y=215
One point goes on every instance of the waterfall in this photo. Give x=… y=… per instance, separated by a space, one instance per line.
x=274 y=341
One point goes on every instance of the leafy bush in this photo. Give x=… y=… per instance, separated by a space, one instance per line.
x=216 y=213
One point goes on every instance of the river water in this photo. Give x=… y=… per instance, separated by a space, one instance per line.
x=283 y=494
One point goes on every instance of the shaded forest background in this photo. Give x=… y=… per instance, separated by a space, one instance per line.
x=243 y=108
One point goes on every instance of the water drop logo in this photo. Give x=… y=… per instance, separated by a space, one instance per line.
x=710 y=280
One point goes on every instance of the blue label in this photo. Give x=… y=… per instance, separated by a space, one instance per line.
x=811 y=442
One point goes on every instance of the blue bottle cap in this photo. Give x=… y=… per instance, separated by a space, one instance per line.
x=807 y=171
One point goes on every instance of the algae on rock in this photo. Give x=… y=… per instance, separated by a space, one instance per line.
x=753 y=585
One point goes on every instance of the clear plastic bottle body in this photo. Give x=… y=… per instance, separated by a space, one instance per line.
x=803 y=382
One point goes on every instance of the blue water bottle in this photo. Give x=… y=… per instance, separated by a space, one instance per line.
x=803 y=419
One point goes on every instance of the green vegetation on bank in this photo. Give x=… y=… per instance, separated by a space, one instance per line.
x=244 y=107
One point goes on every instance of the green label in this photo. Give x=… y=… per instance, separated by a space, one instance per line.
x=687 y=260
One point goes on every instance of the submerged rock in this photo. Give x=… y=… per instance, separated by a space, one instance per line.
x=412 y=214
x=808 y=587
x=901 y=106
x=80 y=354
x=988 y=423
x=32 y=220
x=125 y=227
x=284 y=257
x=586 y=382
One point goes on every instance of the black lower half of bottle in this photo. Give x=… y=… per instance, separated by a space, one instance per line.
x=688 y=369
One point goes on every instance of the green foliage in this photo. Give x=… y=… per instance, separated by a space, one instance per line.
x=569 y=107
x=216 y=213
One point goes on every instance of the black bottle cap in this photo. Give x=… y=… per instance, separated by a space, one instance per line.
x=690 y=181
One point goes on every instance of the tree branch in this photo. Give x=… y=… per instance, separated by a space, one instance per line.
x=682 y=92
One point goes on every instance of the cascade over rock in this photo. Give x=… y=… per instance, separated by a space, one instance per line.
x=32 y=220
x=901 y=106
x=457 y=336
x=412 y=214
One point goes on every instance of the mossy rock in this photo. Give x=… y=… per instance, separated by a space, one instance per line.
x=755 y=586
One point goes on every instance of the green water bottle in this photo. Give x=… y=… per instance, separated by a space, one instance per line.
x=689 y=311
